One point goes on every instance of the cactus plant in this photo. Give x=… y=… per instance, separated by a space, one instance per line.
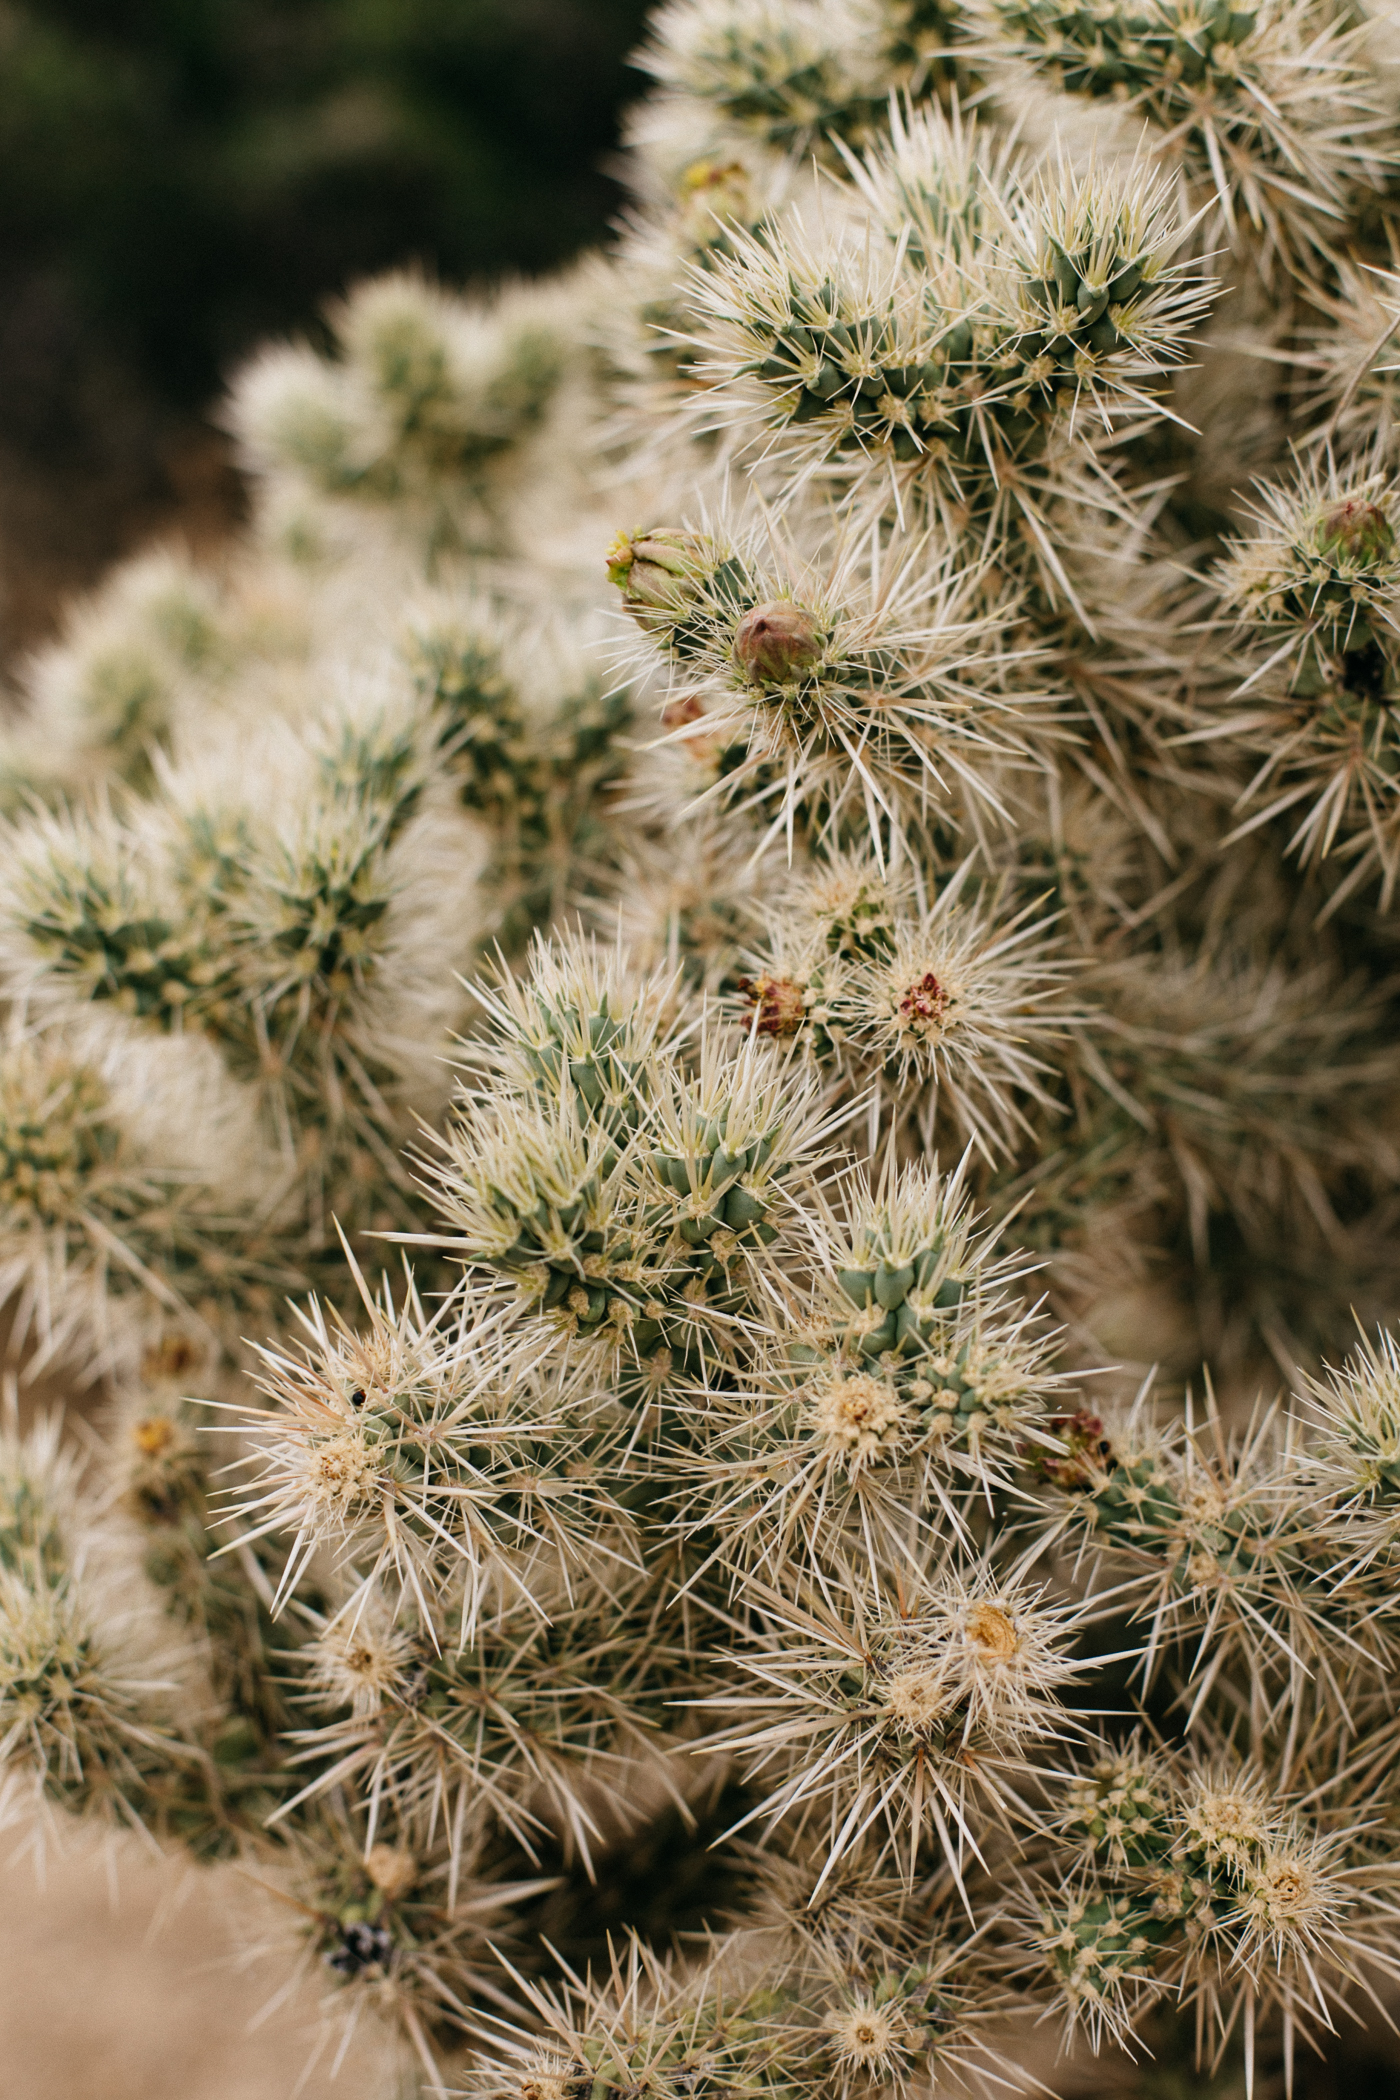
x=706 y=1058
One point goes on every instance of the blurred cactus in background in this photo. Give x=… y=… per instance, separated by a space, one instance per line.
x=705 y=1058
x=180 y=182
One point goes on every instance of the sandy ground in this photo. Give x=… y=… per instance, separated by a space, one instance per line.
x=120 y=1972
x=143 y=1999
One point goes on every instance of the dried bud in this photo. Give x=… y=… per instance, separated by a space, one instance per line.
x=1354 y=530
x=1088 y=1452
x=173 y=1358
x=688 y=708
x=779 y=1004
x=392 y=1870
x=774 y=644
x=546 y=2085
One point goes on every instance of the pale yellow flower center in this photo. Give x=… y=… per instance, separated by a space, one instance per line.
x=863 y=2035
x=913 y=1698
x=154 y=1436
x=991 y=1630
x=859 y=1416
x=341 y=1470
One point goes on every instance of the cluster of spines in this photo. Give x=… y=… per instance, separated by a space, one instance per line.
x=1273 y=112
x=957 y=370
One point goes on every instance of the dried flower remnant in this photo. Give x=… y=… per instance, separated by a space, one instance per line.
x=778 y=1004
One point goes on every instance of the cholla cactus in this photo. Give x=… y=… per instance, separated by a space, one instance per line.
x=759 y=882
x=1315 y=589
x=910 y=1719
x=802 y=77
x=425 y=399
x=955 y=373
x=1202 y=1876
x=137 y=654
x=937 y=1008
x=907 y=1380
x=394 y=1452
x=1266 y=109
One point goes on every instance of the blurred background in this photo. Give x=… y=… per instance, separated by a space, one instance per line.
x=180 y=179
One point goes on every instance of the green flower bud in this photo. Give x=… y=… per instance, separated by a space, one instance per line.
x=774 y=644
x=680 y=587
x=656 y=571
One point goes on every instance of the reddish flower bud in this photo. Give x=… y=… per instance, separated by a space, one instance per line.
x=1354 y=530
x=774 y=644
x=1087 y=1456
